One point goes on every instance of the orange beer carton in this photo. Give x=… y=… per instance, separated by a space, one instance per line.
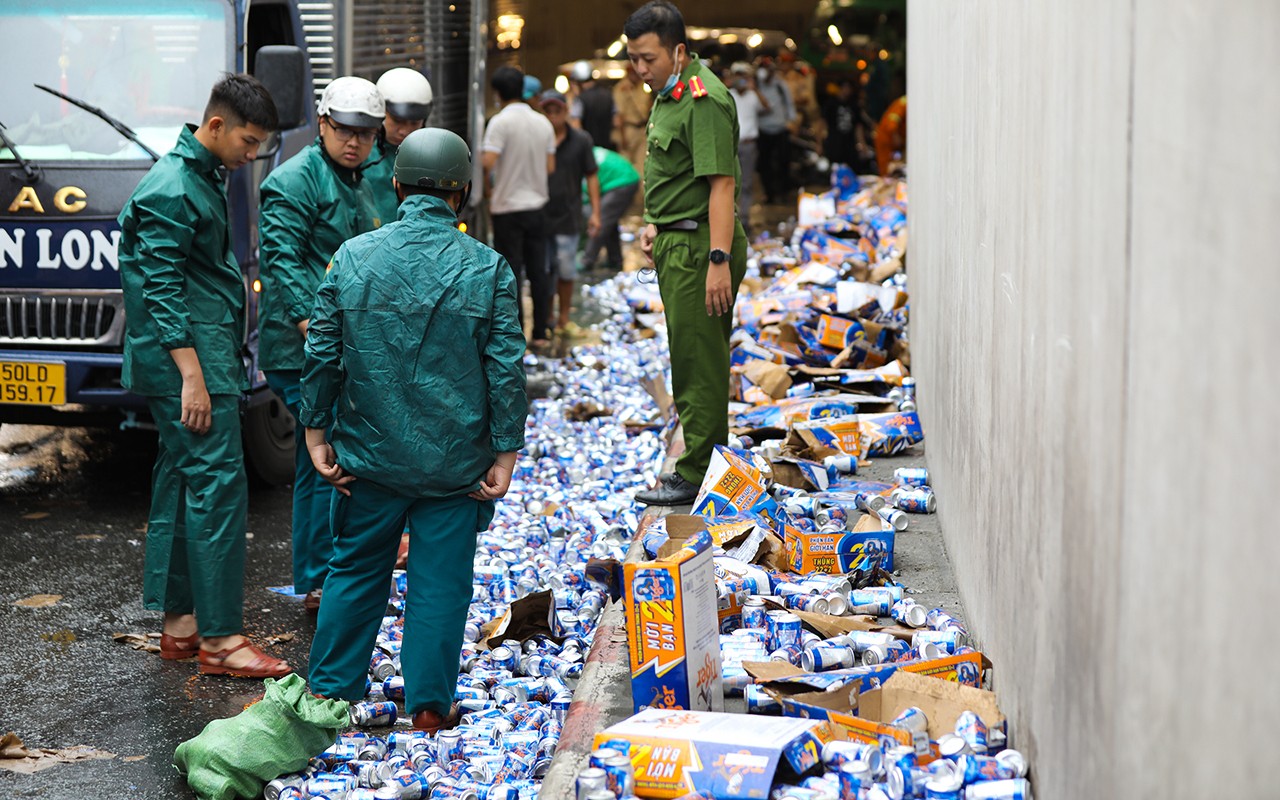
x=727 y=756
x=672 y=631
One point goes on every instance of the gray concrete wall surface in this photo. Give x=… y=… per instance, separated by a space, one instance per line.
x=1095 y=265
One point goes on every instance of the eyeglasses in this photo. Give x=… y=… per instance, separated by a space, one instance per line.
x=345 y=134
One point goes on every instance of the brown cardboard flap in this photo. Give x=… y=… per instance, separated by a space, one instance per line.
x=679 y=528
x=843 y=699
x=941 y=701
x=764 y=671
x=773 y=378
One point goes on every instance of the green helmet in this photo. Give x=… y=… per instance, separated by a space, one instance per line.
x=434 y=158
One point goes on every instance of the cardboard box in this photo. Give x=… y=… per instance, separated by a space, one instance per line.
x=837 y=552
x=829 y=436
x=728 y=756
x=838 y=332
x=733 y=485
x=672 y=633
x=859 y=709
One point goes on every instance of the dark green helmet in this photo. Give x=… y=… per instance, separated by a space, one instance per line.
x=434 y=158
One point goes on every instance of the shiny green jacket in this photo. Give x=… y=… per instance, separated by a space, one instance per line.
x=416 y=343
x=182 y=285
x=379 y=170
x=310 y=206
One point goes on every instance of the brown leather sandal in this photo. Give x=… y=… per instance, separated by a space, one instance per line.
x=262 y=666
x=431 y=721
x=173 y=648
x=311 y=600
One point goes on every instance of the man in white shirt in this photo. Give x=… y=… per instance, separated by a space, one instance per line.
x=751 y=104
x=519 y=152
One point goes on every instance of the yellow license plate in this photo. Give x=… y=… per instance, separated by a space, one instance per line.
x=39 y=383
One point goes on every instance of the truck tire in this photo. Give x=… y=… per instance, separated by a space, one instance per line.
x=268 y=443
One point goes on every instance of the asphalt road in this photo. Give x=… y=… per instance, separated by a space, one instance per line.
x=73 y=510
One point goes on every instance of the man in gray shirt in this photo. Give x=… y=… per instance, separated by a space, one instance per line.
x=775 y=136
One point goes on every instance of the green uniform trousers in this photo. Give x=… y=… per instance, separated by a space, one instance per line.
x=312 y=496
x=366 y=536
x=699 y=343
x=199 y=509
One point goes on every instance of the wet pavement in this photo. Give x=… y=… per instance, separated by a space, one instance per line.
x=73 y=510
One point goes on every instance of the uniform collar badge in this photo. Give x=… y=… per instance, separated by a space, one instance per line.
x=677 y=91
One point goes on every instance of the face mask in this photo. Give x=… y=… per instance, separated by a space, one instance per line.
x=741 y=84
x=675 y=73
x=762 y=75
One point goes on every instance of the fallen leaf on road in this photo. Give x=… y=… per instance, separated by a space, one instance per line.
x=38 y=600
x=63 y=636
x=17 y=757
x=138 y=641
x=133 y=758
x=91 y=537
x=281 y=638
x=36 y=515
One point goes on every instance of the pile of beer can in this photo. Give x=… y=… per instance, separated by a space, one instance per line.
x=570 y=500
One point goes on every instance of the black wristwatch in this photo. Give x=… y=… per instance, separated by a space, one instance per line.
x=719 y=256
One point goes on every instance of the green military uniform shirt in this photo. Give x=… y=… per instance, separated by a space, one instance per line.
x=379 y=170
x=182 y=285
x=416 y=343
x=690 y=138
x=309 y=208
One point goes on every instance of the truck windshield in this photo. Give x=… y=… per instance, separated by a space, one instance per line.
x=149 y=64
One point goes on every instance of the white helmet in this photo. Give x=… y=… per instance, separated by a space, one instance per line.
x=581 y=71
x=354 y=102
x=407 y=93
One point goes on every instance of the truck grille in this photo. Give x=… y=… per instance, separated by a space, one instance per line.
x=63 y=318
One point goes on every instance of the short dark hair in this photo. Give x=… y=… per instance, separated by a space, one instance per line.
x=660 y=17
x=241 y=99
x=410 y=191
x=508 y=82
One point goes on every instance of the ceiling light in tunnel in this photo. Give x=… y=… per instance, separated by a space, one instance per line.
x=834 y=33
x=755 y=40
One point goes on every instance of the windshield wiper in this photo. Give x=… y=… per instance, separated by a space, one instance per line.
x=31 y=170
x=124 y=130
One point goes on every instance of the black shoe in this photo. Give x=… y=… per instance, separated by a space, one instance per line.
x=671 y=491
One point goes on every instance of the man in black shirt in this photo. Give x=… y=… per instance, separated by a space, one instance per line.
x=593 y=109
x=574 y=162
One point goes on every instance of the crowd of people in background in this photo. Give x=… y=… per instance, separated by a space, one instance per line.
x=555 y=214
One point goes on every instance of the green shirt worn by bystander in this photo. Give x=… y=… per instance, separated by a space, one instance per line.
x=309 y=208
x=417 y=323
x=690 y=138
x=614 y=170
x=182 y=285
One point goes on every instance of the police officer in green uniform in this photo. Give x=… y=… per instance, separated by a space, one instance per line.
x=693 y=237
x=311 y=204
x=409 y=99
x=416 y=341
x=185 y=311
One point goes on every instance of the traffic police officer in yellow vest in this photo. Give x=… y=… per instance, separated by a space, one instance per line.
x=693 y=236
x=185 y=320
x=311 y=204
x=409 y=98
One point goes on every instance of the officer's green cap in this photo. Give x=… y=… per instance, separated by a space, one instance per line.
x=434 y=158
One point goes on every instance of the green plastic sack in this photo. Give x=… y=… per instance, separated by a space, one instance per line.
x=236 y=757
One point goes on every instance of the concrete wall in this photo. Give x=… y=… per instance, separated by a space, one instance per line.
x=1095 y=269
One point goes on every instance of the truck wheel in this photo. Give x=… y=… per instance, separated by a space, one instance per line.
x=268 y=443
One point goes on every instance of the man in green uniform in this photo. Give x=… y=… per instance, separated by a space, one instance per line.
x=408 y=96
x=416 y=340
x=311 y=204
x=185 y=311
x=693 y=237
